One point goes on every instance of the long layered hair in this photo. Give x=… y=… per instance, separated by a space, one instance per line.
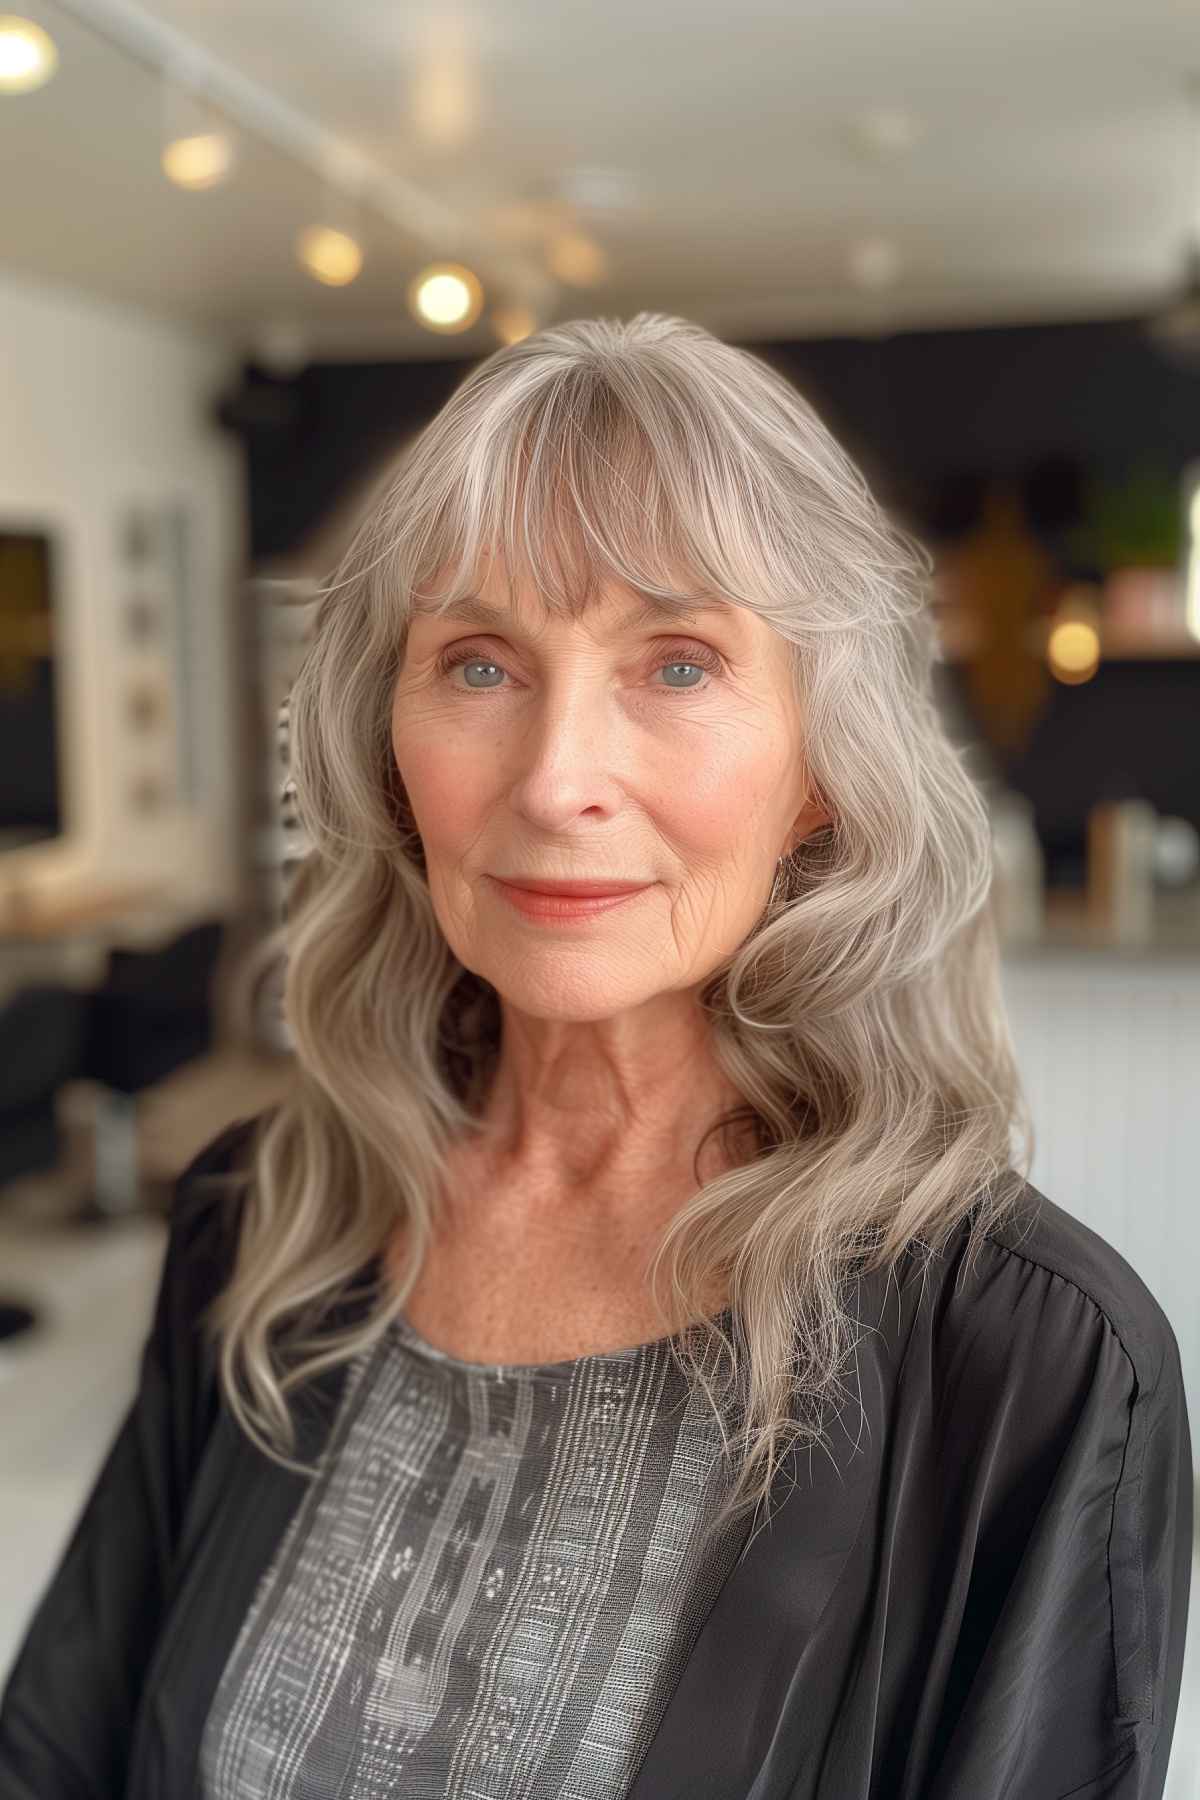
x=862 y=1019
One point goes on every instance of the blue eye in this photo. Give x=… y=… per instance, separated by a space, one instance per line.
x=706 y=661
x=468 y=661
x=682 y=665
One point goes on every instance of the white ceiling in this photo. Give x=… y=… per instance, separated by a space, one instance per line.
x=1054 y=178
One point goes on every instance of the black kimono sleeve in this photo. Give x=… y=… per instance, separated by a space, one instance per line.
x=1067 y=1471
x=68 y=1708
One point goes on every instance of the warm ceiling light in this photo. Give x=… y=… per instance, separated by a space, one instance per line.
x=200 y=161
x=444 y=104
x=512 y=323
x=27 y=55
x=576 y=259
x=446 y=297
x=1073 y=651
x=334 y=257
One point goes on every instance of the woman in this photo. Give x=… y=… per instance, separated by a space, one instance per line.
x=473 y=1453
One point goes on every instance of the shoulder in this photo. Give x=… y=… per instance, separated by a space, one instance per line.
x=1045 y=1348
x=205 y=1212
x=1043 y=1272
x=1052 y=1380
x=219 y=1157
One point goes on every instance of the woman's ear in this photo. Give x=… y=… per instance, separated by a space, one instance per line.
x=806 y=824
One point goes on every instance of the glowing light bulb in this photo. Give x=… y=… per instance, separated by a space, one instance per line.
x=1073 y=651
x=333 y=257
x=199 y=161
x=446 y=297
x=28 y=55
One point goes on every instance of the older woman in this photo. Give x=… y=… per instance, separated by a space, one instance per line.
x=473 y=1452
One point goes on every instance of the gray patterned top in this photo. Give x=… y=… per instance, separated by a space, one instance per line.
x=488 y=1591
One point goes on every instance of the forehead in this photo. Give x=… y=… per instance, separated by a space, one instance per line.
x=621 y=609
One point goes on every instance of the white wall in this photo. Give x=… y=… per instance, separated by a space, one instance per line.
x=1109 y=1049
x=102 y=407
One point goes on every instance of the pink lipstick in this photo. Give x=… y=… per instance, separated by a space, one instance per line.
x=566 y=899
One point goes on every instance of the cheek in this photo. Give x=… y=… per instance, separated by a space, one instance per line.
x=446 y=790
x=726 y=797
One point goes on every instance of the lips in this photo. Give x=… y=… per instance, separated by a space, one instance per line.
x=576 y=890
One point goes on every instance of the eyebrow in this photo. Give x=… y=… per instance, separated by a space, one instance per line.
x=646 y=610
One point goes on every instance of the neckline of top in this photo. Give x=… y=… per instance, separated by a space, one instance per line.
x=408 y=1332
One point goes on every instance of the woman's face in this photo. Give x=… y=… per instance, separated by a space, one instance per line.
x=536 y=748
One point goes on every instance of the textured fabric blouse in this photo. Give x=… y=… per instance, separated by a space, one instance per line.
x=491 y=1589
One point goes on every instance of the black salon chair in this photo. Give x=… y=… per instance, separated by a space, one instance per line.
x=42 y=1039
x=152 y=1014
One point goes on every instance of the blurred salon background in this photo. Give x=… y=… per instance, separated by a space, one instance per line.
x=246 y=251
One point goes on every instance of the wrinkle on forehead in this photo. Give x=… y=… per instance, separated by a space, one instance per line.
x=647 y=609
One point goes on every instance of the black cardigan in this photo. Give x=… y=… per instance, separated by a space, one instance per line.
x=979 y=1591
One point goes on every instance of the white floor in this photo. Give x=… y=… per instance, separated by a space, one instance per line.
x=64 y=1388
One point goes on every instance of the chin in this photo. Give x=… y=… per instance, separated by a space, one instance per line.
x=556 y=992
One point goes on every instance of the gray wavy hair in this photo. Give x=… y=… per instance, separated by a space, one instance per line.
x=862 y=1019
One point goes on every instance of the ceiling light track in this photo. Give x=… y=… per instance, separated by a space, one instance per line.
x=261 y=113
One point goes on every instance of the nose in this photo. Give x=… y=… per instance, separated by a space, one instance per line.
x=574 y=756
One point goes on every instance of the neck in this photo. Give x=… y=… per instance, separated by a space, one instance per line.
x=613 y=1106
